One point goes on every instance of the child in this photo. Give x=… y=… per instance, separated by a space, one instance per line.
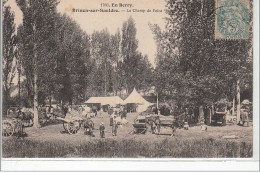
x=186 y=126
x=203 y=127
x=102 y=130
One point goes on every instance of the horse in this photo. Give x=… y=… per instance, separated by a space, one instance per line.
x=19 y=127
x=26 y=115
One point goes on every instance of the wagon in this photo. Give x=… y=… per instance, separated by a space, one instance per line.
x=73 y=122
x=140 y=125
x=71 y=125
x=151 y=118
x=219 y=116
x=11 y=125
x=164 y=125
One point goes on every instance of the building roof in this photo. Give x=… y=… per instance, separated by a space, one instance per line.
x=112 y=100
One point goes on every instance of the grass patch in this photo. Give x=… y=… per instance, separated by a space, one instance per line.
x=110 y=148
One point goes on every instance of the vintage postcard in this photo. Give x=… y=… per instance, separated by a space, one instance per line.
x=147 y=83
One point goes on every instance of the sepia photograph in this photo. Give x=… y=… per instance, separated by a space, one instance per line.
x=127 y=79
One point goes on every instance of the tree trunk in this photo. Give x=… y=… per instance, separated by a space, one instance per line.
x=29 y=93
x=19 y=86
x=201 y=114
x=6 y=96
x=35 y=102
x=210 y=115
x=19 y=81
x=238 y=102
x=50 y=100
x=157 y=101
x=233 y=108
x=105 y=91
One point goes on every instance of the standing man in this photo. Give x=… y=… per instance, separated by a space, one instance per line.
x=153 y=127
x=121 y=111
x=112 y=118
x=102 y=130
x=174 y=127
x=65 y=110
x=114 y=128
x=244 y=117
x=110 y=110
x=124 y=113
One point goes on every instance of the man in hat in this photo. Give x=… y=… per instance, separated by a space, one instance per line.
x=244 y=117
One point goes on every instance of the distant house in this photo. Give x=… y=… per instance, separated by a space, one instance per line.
x=103 y=102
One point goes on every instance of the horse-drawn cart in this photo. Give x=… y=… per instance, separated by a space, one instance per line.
x=140 y=128
x=219 y=118
x=72 y=124
x=159 y=124
x=11 y=126
x=164 y=125
x=219 y=115
x=140 y=125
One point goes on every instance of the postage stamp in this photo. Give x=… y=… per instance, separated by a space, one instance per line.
x=232 y=19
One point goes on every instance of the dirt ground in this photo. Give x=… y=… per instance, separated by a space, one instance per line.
x=55 y=132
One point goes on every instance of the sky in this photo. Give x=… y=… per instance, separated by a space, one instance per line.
x=90 y=21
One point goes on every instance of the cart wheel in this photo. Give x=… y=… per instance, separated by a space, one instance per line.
x=73 y=127
x=8 y=129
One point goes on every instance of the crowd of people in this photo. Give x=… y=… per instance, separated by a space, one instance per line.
x=117 y=115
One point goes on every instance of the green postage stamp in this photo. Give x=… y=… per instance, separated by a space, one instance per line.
x=232 y=19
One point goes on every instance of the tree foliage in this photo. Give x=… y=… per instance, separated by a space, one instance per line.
x=118 y=65
x=192 y=66
x=136 y=69
x=9 y=54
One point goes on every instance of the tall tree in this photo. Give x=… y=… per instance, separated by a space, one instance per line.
x=72 y=60
x=38 y=24
x=116 y=77
x=129 y=47
x=105 y=50
x=101 y=48
x=9 y=54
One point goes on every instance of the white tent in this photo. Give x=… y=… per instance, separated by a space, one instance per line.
x=112 y=101
x=246 y=102
x=136 y=98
